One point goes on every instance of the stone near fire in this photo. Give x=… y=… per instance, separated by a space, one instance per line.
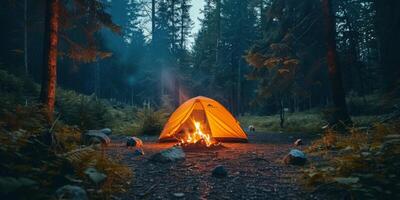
x=251 y=128
x=219 y=172
x=298 y=142
x=295 y=157
x=95 y=137
x=106 y=131
x=169 y=155
x=134 y=142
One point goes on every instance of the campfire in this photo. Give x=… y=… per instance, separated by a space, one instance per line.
x=197 y=139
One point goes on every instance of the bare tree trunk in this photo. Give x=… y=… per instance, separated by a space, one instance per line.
x=182 y=26
x=354 y=52
x=97 y=79
x=338 y=95
x=49 y=73
x=239 y=87
x=153 y=18
x=132 y=95
x=173 y=24
x=387 y=27
x=282 y=113
x=26 y=36
x=218 y=38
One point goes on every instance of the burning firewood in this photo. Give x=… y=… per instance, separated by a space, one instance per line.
x=200 y=145
x=197 y=139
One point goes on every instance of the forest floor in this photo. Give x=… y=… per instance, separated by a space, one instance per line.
x=255 y=170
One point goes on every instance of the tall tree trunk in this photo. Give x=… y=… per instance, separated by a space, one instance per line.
x=239 y=87
x=354 y=51
x=49 y=71
x=153 y=19
x=182 y=25
x=173 y=25
x=26 y=37
x=218 y=38
x=281 y=113
x=132 y=95
x=97 y=79
x=388 y=31
x=338 y=95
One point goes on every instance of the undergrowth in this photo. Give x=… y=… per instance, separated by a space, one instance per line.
x=31 y=168
x=307 y=122
x=363 y=164
x=150 y=121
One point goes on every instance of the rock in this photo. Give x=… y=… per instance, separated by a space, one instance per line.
x=179 y=194
x=219 y=171
x=347 y=181
x=346 y=150
x=134 y=142
x=365 y=154
x=138 y=152
x=106 y=131
x=295 y=157
x=251 y=128
x=94 y=175
x=72 y=179
x=298 y=142
x=11 y=184
x=71 y=192
x=392 y=136
x=169 y=155
x=94 y=137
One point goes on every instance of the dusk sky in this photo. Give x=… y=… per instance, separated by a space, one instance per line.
x=195 y=15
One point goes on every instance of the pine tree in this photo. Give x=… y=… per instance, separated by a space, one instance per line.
x=92 y=17
x=185 y=23
x=133 y=32
x=228 y=30
x=49 y=77
x=338 y=95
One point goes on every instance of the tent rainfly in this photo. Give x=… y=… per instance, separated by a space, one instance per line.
x=216 y=121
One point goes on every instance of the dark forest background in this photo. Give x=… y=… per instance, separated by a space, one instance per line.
x=254 y=56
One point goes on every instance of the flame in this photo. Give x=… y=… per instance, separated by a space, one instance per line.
x=197 y=135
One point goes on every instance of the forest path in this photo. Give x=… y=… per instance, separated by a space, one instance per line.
x=255 y=171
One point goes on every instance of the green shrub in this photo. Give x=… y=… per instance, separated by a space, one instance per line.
x=15 y=90
x=29 y=118
x=122 y=121
x=84 y=111
x=367 y=105
x=294 y=122
x=150 y=121
x=40 y=168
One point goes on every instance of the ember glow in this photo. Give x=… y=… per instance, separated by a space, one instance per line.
x=197 y=135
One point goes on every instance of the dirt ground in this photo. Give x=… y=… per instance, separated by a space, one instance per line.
x=255 y=171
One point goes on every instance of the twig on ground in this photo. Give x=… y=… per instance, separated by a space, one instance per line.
x=145 y=193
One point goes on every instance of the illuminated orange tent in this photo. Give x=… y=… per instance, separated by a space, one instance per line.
x=215 y=120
